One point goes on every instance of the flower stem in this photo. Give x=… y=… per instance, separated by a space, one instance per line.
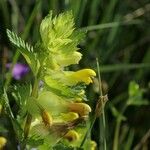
x=117 y=129
x=116 y=136
x=102 y=103
x=29 y=116
x=88 y=132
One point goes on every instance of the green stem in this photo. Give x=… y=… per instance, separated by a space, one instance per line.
x=123 y=67
x=117 y=129
x=103 y=112
x=116 y=136
x=88 y=132
x=111 y=25
x=29 y=116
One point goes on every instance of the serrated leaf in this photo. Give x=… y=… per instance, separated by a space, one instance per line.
x=16 y=125
x=18 y=129
x=21 y=93
x=26 y=50
x=32 y=107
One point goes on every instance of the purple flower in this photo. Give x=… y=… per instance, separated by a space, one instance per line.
x=19 y=70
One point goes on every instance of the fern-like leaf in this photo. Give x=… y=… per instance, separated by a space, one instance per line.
x=19 y=42
x=25 y=49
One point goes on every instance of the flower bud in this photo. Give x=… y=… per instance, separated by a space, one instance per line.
x=93 y=145
x=0 y=108
x=3 y=142
x=69 y=116
x=72 y=135
x=47 y=118
x=81 y=108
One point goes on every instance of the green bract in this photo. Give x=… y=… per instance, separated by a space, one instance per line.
x=60 y=39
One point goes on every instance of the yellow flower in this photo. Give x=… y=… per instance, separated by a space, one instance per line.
x=47 y=118
x=93 y=145
x=84 y=75
x=70 y=116
x=81 y=108
x=3 y=142
x=0 y=108
x=67 y=58
x=72 y=135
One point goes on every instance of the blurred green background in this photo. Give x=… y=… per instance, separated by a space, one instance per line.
x=118 y=34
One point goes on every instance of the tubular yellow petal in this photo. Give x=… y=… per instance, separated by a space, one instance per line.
x=0 y=108
x=69 y=116
x=84 y=75
x=47 y=118
x=72 y=135
x=81 y=108
x=93 y=145
x=3 y=142
x=86 y=72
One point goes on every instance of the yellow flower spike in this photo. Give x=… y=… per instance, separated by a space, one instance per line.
x=3 y=142
x=81 y=108
x=69 y=116
x=84 y=75
x=71 y=136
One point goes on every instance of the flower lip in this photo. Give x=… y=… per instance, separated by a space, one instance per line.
x=72 y=135
x=84 y=75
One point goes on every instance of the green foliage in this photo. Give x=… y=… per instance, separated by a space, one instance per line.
x=3 y=129
x=60 y=40
x=129 y=141
x=56 y=31
x=16 y=125
x=26 y=50
x=63 y=90
x=136 y=95
x=60 y=146
x=35 y=141
x=117 y=114
x=21 y=93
